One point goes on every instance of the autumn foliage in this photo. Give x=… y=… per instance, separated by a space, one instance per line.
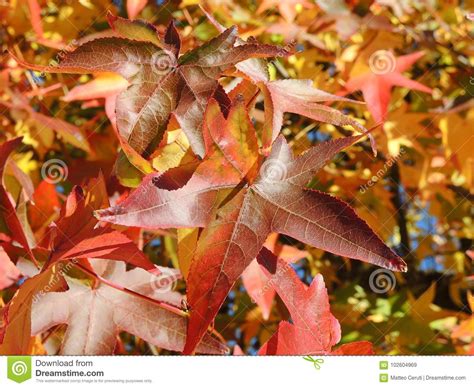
x=271 y=177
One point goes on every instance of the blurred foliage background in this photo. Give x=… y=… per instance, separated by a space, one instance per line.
x=420 y=196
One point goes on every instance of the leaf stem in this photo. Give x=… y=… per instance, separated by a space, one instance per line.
x=161 y=304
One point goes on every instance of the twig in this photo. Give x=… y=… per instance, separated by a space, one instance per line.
x=400 y=206
x=161 y=304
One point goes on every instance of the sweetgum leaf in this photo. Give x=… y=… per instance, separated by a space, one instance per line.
x=277 y=201
x=251 y=203
x=376 y=87
x=76 y=234
x=94 y=317
x=9 y=221
x=14 y=338
x=9 y=273
x=299 y=96
x=291 y=95
x=314 y=329
x=255 y=281
x=183 y=196
x=161 y=82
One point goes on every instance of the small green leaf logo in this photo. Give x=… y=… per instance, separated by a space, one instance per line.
x=383 y=365
x=383 y=378
x=19 y=368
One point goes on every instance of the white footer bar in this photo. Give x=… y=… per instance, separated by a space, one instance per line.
x=237 y=371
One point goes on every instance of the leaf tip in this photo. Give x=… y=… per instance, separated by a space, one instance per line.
x=111 y=18
x=398 y=265
x=107 y=214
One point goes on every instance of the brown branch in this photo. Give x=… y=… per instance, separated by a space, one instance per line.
x=400 y=207
x=461 y=191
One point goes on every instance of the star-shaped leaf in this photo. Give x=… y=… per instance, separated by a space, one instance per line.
x=94 y=317
x=255 y=281
x=163 y=200
x=9 y=221
x=314 y=330
x=161 y=82
x=291 y=95
x=384 y=72
x=9 y=273
x=77 y=235
x=300 y=97
x=243 y=200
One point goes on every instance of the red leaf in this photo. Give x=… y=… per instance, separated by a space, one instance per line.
x=14 y=336
x=95 y=316
x=172 y=200
x=299 y=96
x=255 y=281
x=6 y=149
x=35 y=13
x=314 y=330
x=161 y=82
x=376 y=85
x=45 y=205
x=291 y=95
x=276 y=201
x=77 y=235
x=9 y=274
x=7 y=209
x=359 y=348
x=249 y=206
